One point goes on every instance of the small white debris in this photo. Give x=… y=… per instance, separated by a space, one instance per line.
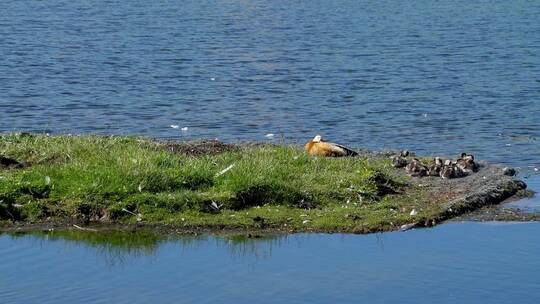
x=140 y=187
x=85 y=229
x=182 y=219
x=508 y=145
x=425 y=114
x=125 y=210
x=215 y=206
x=536 y=169
x=224 y=170
x=184 y=129
x=212 y=78
x=269 y=135
x=305 y=222
x=413 y=212
x=407 y=227
x=138 y=215
x=303 y=215
x=175 y=126
x=47 y=180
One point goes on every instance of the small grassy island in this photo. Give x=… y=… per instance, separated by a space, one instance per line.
x=61 y=181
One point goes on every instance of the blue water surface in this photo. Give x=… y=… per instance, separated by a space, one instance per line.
x=430 y=76
x=452 y=263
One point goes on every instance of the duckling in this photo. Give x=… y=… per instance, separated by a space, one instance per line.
x=318 y=147
x=466 y=163
x=447 y=171
x=459 y=172
x=435 y=169
x=398 y=161
x=404 y=153
x=416 y=168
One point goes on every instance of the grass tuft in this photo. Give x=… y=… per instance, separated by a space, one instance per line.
x=98 y=178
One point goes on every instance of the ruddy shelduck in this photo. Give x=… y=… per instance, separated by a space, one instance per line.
x=318 y=147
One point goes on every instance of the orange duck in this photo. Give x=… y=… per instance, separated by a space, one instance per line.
x=318 y=147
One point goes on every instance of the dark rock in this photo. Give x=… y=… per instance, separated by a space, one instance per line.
x=520 y=185
x=509 y=171
x=9 y=163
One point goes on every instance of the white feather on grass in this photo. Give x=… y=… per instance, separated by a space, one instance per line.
x=220 y=173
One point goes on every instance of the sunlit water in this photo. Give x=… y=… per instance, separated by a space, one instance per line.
x=430 y=76
x=453 y=263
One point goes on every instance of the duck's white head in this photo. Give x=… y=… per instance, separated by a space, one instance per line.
x=317 y=138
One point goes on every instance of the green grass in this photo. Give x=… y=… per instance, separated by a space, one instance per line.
x=95 y=178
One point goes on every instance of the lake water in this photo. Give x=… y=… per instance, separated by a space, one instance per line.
x=430 y=76
x=452 y=263
x=435 y=77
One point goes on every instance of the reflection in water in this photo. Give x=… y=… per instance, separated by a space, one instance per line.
x=244 y=246
x=118 y=247
x=453 y=263
x=115 y=247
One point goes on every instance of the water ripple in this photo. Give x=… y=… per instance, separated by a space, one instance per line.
x=434 y=77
